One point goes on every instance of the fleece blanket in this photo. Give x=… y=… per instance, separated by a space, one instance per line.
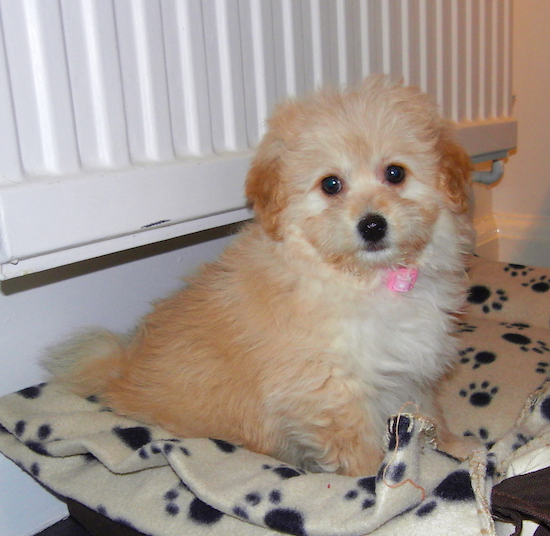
x=161 y=485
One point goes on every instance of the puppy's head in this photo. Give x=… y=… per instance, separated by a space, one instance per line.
x=363 y=176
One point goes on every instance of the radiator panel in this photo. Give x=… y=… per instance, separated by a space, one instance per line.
x=96 y=91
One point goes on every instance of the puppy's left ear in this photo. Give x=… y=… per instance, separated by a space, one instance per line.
x=456 y=170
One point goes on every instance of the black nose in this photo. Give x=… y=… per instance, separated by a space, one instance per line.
x=372 y=228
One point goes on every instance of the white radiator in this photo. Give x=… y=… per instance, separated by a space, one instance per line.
x=126 y=122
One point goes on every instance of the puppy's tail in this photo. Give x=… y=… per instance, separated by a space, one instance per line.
x=88 y=362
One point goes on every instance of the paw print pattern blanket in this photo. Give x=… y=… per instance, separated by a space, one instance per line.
x=159 y=485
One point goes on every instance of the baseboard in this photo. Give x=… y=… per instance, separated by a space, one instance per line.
x=523 y=239
x=486 y=238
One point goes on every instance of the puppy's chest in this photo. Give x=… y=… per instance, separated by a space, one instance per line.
x=389 y=335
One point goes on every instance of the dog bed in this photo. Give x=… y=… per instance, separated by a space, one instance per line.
x=149 y=482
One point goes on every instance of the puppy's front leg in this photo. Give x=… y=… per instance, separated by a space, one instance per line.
x=350 y=451
x=337 y=436
x=447 y=441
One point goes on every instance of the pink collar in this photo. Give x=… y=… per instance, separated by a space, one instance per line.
x=402 y=279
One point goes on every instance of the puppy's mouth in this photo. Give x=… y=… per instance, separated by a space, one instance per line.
x=372 y=248
x=373 y=229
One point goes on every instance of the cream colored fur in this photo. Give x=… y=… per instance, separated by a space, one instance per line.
x=291 y=344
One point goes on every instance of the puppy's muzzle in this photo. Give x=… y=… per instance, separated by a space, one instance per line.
x=373 y=229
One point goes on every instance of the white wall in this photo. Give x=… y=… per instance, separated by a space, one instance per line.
x=481 y=208
x=38 y=310
x=522 y=200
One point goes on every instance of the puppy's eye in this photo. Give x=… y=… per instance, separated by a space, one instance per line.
x=395 y=174
x=331 y=185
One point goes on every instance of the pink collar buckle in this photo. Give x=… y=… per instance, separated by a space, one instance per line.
x=402 y=279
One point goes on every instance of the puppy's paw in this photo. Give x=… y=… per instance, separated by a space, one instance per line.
x=459 y=447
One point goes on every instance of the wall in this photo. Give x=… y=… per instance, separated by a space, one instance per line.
x=38 y=310
x=522 y=200
x=481 y=208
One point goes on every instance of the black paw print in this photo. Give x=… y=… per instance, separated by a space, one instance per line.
x=521 y=440
x=36 y=439
x=284 y=471
x=277 y=517
x=483 y=434
x=519 y=326
x=480 y=396
x=482 y=295
x=483 y=357
x=464 y=327
x=540 y=284
x=32 y=392
x=366 y=492
x=253 y=499
x=491 y=469
x=172 y=506
x=526 y=344
x=517 y=269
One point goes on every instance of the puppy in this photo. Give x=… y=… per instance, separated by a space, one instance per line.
x=328 y=313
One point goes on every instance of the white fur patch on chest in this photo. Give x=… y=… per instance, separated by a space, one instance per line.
x=394 y=344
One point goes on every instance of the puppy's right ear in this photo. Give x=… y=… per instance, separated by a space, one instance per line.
x=264 y=187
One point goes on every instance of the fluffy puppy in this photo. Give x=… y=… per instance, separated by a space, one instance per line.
x=310 y=330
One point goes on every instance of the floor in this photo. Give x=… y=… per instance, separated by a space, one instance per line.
x=67 y=527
